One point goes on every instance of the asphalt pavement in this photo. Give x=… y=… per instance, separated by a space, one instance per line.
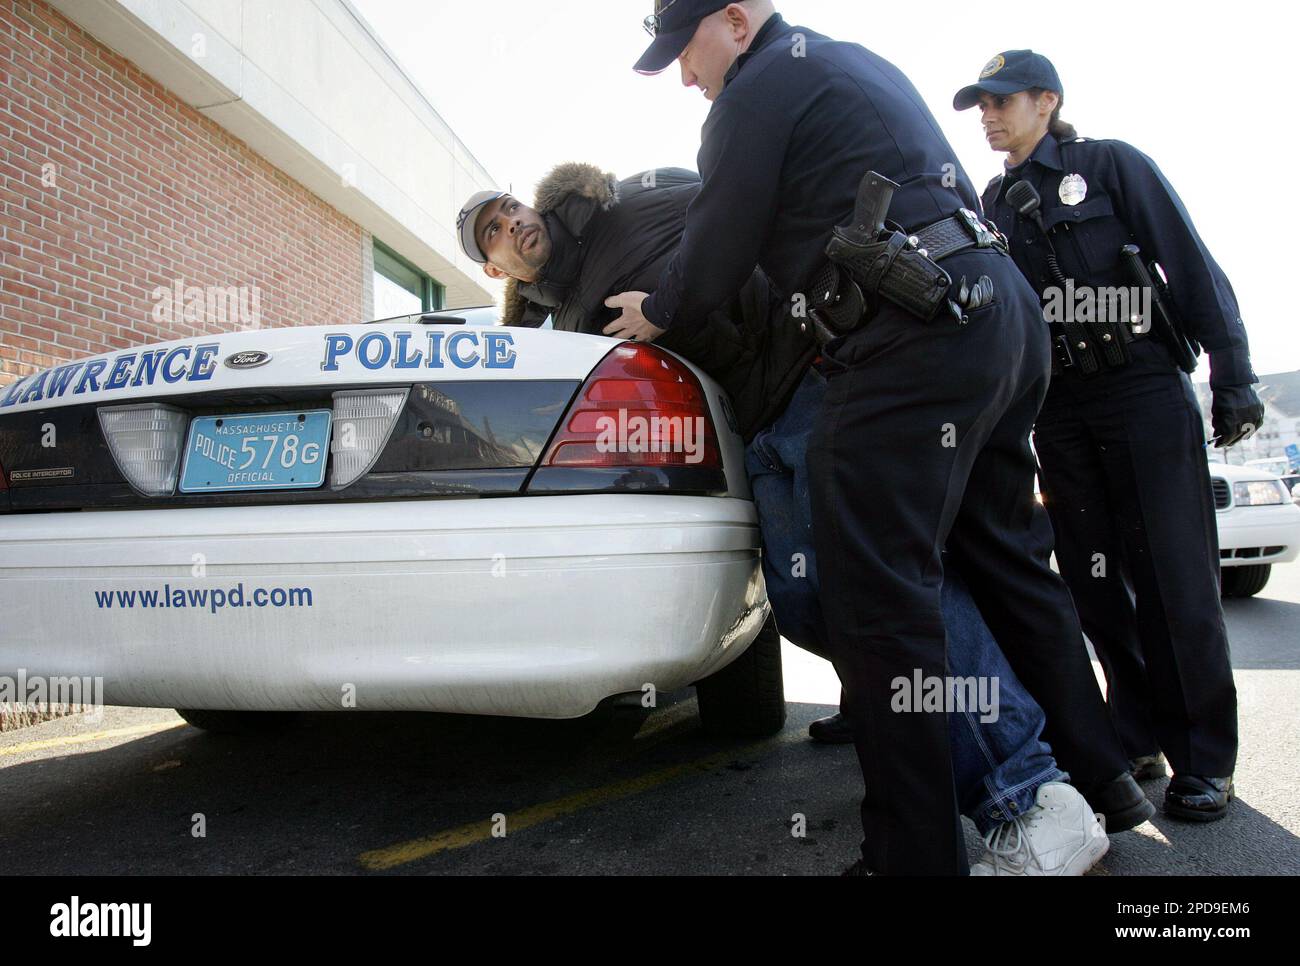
x=629 y=792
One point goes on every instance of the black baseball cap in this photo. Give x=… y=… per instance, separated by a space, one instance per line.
x=673 y=25
x=1010 y=72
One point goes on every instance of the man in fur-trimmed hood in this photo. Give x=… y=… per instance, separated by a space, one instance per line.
x=592 y=236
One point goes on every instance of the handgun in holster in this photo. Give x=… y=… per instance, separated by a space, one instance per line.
x=868 y=262
x=1163 y=322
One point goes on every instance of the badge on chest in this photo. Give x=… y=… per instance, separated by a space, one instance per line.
x=1073 y=189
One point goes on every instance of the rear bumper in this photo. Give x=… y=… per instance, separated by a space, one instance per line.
x=1246 y=531
x=535 y=606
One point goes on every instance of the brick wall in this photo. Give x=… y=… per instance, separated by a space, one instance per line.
x=111 y=188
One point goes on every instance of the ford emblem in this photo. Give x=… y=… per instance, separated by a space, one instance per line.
x=248 y=360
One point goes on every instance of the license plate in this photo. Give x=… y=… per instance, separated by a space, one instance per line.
x=256 y=451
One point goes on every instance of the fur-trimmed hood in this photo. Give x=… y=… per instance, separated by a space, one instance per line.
x=613 y=236
x=574 y=177
x=563 y=181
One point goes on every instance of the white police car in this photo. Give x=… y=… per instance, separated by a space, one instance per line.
x=430 y=513
x=1259 y=526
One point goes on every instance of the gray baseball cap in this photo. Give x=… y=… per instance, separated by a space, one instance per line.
x=466 y=219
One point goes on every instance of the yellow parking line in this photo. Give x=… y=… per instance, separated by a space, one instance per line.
x=143 y=729
x=475 y=832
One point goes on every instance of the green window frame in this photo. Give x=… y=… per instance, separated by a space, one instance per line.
x=402 y=273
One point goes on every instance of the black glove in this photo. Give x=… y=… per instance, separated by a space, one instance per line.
x=1235 y=413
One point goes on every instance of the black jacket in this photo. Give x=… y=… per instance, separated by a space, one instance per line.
x=785 y=146
x=613 y=236
x=1118 y=196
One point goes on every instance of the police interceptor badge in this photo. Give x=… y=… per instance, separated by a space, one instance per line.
x=1073 y=189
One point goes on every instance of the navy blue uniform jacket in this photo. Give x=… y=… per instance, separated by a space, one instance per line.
x=802 y=118
x=1127 y=201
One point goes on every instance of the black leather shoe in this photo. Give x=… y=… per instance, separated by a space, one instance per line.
x=859 y=867
x=1121 y=801
x=834 y=730
x=1196 y=798
x=1146 y=768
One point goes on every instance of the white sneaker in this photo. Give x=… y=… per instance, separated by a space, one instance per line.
x=1060 y=835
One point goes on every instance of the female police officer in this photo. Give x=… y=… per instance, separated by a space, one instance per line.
x=1120 y=438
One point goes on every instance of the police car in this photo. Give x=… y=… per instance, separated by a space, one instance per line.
x=427 y=513
x=1259 y=526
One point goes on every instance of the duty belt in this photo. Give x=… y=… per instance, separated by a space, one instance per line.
x=1084 y=347
x=868 y=262
x=957 y=233
x=1074 y=347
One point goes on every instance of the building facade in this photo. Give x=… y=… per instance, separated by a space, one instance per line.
x=171 y=169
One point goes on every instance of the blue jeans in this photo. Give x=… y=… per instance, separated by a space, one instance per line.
x=997 y=765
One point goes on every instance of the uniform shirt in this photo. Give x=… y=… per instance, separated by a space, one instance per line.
x=801 y=119
x=1127 y=201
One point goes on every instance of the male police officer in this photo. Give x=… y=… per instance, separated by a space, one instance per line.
x=592 y=236
x=924 y=433
x=1120 y=437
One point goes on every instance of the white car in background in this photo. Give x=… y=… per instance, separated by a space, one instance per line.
x=428 y=513
x=1259 y=526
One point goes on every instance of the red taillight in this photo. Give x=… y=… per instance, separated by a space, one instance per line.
x=639 y=407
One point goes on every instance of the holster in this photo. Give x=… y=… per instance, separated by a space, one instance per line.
x=837 y=305
x=1164 y=323
x=889 y=267
x=1072 y=347
x=868 y=262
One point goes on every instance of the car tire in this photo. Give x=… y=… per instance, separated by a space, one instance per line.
x=747 y=697
x=237 y=722
x=1245 y=581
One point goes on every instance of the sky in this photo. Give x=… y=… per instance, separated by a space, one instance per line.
x=1206 y=89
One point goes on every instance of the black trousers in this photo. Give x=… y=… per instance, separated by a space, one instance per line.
x=1125 y=482
x=925 y=441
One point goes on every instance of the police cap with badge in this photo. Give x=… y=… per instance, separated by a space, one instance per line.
x=1010 y=72
x=672 y=26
